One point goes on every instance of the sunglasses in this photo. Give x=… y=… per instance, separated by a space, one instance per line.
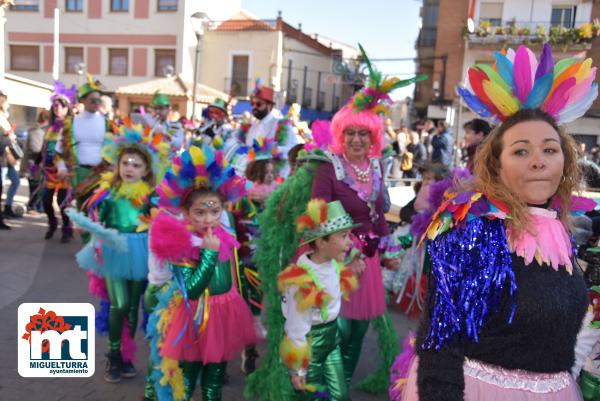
x=257 y=103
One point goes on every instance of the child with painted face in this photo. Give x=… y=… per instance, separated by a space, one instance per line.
x=201 y=321
x=116 y=205
x=117 y=257
x=312 y=291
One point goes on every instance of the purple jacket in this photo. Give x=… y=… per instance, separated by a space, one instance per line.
x=327 y=187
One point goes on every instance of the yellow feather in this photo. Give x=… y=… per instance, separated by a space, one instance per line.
x=506 y=103
x=198 y=156
x=584 y=70
x=313 y=210
x=387 y=84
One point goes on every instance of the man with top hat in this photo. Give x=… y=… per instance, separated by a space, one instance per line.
x=79 y=150
x=269 y=123
x=171 y=130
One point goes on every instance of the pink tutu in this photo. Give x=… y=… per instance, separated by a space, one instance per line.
x=230 y=328
x=368 y=302
x=517 y=385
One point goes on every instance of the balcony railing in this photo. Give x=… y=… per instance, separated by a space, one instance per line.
x=534 y=32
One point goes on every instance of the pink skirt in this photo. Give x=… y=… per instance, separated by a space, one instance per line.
x=230 y=328
x=492 y=383
x=368 y=301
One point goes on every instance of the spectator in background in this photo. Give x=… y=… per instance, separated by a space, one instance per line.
x=442 y=145
x=426 y=134
x=5 y=128
x=11 y=157
x=30 y=164
x=475 y=131
x=413 y=157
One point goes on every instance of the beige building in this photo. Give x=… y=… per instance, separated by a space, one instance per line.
x=118 y=41
x=447 y=45
x=298 y=66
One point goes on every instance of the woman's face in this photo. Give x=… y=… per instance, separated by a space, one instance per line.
x=60 y=109
x=357 y=142
x=269 y=174
x=532 y=161
x=205 y=212
x=132 y=168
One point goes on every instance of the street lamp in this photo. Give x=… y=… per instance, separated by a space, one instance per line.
x=199 y=21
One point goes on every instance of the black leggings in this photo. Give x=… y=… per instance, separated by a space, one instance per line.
x=48 y=200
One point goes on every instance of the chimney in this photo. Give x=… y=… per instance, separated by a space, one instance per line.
x=279 y=13
x=300 y=26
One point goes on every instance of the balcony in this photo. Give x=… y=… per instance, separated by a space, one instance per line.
x=533 y=34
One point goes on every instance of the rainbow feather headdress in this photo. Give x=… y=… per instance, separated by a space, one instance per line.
x=261 y=149
x=565 y=89
x=196 y=168
x=62 y=92
x=135 y=135
x=375 y=95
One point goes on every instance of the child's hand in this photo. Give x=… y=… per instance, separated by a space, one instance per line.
x=299 y=382
x=358 y=266
x=210 y=241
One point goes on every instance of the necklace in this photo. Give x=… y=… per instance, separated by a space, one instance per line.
x=362 y=175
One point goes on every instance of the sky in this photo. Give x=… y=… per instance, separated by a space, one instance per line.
x=386 y=29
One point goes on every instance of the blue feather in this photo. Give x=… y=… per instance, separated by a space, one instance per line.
x=540 y=90
x=505 y=68
x=473 y=102
x=110 y=236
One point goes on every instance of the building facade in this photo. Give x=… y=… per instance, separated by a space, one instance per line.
x=456 y=34
x=298 y=66
x=118 y=41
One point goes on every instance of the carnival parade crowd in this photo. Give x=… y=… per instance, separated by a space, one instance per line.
x=265 y=229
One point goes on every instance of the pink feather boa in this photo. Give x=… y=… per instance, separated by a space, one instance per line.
x=171 y=240
x=401 y=366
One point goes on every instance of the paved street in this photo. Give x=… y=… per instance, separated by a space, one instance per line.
x=34 y=270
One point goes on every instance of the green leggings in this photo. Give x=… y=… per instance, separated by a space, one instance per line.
x=352 y=334
x=326 y=367
x=124 y=297
x=211 y=380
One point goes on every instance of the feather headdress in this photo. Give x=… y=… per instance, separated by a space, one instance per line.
x=138 y=136
x=261 y=149
x=565 y=89
x=375 y=95
x=198 y=168
x=322 y=219
x=62 y=92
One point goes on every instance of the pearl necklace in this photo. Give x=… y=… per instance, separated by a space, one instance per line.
x=362 y=175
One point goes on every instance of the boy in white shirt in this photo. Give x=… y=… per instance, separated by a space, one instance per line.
x=312 y=290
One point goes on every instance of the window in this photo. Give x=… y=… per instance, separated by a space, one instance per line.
x=73 y=56
x=74 y=5
x=239 y=74
x=336 y=103
x=118 y=60
x=25 y=5
x=307 y=97
x=24 y=58
x=563 y=16
x=428 y=36
x=119 y=5
x=321 y=100
x=491 y=12
x=167 y=5
x=162 y=59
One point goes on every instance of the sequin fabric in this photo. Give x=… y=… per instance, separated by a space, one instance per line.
x=471 y=267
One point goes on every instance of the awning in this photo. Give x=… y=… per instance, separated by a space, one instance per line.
x=26 y=92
